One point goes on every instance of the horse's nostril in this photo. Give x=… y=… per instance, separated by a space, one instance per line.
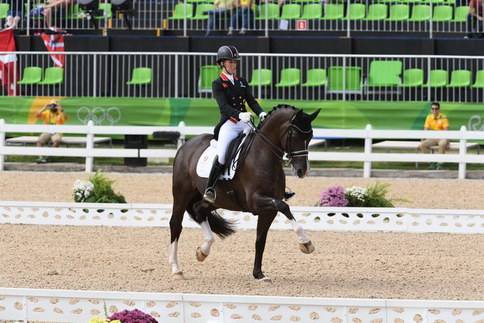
x=300 y=173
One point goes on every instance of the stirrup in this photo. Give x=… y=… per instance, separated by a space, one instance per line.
x=209 y=195
x=288 y=195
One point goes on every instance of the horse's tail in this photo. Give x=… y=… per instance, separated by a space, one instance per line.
x=218 y=224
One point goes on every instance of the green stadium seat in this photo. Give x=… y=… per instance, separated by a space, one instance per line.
x=208 y=73
x=262 y=77
x=399 y=12
x=385 y=73
x=420 y=12
x=53 y=76
x=356 y=11
x=479 y=83
x=460 y=14
x=315 y=77
x=106 y=9
x=289 y=77
x=74 y=12
x=200 y=1
x=352 y=78
x=291 y=11
x=377 y=11
x=201 y=9
x=272 y=11
x=31 y=75
x=333 y=11
x=305 y=1
x=442 y=13
x=179 y=12
x=4 y=7
x=140 y=76
x=312 y=11
x=437 y=78
x=460 y=78
x=434 y=2
x=412 y=77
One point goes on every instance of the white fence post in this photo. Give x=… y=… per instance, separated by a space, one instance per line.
x=462 y=153
x=367 y=163
x=181 y=139
x=89 y=147
x=2 y=144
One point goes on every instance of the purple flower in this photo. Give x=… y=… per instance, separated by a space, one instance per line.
x=333 y=196
x=134 y=316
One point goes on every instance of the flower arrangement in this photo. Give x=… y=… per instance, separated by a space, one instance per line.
x=333 y=196
x=356 y=196
x=126 y=316
x=98 y=189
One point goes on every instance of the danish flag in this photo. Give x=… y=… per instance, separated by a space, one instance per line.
x=8 y=62
x=55 y=43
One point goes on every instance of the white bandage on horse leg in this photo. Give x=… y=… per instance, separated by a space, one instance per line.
x=303 y=238
x=208 y=236
x=172 y=259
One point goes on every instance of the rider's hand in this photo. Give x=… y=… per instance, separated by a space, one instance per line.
x=262 y=116
x=244 y=116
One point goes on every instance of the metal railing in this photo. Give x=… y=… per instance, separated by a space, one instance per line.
x=272 y=76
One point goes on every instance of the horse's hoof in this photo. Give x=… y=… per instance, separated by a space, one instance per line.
x=265 y=281
x=200 y=255
x=178 y=275
x=306 y=247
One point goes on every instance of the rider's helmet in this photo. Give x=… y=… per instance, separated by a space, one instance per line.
x=227 y=52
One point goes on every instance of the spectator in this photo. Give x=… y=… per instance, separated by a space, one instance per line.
x=52 y=114
x=53 y=8
x=244 y=11
x=221 y=8
x=435 y=121
x=15 y=13
x=474 y=19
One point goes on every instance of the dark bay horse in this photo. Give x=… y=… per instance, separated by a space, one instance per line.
x=259 y=184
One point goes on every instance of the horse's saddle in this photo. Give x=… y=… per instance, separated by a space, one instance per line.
x=236 y=153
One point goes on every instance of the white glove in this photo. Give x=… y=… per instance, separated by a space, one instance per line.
x=262 y=116
x=244 y=116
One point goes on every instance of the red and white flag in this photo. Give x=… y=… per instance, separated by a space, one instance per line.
x=55 y=43
x=8 y=62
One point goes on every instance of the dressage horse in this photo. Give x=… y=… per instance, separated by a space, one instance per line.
x=258 y=186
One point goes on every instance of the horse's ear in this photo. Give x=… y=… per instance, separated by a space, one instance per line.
x=313 y=115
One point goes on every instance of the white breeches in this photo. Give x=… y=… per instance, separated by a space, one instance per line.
x=228 y=132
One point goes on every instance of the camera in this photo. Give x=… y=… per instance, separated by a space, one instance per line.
x=53 y=107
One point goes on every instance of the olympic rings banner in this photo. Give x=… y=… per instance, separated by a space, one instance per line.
x=204 y=112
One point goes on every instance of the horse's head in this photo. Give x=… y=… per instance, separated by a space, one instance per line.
x=298 y=134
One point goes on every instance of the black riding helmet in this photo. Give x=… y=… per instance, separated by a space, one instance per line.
x=227 y=52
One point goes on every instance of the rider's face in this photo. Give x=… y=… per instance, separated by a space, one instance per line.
x=230 y=66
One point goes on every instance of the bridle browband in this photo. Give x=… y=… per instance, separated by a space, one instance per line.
x=285 y=155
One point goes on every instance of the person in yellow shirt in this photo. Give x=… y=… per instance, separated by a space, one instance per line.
x=53 y=114
x=244 y=11
x=222 y=8
x=435 y=121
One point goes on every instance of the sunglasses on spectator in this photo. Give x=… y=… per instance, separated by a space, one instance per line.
x=435 y=108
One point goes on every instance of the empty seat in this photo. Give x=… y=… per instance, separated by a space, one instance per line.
x=461 y=13
x=291 y=11
x=289 y=77
x=315 y=77
x=344 y=78
x=385 y=73
x=460 y=78
x=437 y=78
x=479 y=83
x=75 y=12
x=333 y=11
x=4 y=7
x=141 y=75
x=420 y=12
x=179 y=12
x=312 y=11
x=412 y=77
x=262 y=77
x=31 y=75
x=272 y=10
x=202 y=8
x=377 y=11
x=53 y=75
x=356 y=11
x=442 y=13
x=106 y=9
x=208 y=73
x=399 y=12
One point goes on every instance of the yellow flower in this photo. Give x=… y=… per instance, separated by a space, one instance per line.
x=97 y=319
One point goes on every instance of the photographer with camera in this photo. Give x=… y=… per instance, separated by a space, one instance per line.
x=52 y=114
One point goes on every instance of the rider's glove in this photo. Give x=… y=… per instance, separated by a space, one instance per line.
x=262 y=116
x=244 y=116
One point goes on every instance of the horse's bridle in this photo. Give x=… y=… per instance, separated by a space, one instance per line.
x=285 y=155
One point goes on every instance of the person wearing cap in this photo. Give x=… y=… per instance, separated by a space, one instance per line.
x=52 y=114
x=232 y=93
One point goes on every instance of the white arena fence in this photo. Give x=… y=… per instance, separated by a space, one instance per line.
x=463 y=157
x=311 y=218
x=328 y=77
x=420 y=17
x=79 y=306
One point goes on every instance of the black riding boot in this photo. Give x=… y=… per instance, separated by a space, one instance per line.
x=288 y=195
x=217 y=169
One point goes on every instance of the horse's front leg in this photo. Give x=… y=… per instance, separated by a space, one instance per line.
x=263 y=224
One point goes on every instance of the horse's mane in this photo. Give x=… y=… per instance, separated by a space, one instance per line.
x=277 y=107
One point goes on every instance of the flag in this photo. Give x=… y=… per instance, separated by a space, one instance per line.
x=55 y=43
x=8 y=62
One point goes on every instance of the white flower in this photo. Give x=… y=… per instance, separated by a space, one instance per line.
x=82 y=190
x=357 y=192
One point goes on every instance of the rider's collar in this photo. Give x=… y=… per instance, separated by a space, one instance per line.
x=228 y=77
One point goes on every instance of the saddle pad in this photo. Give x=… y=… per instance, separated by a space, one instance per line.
x=205 y=162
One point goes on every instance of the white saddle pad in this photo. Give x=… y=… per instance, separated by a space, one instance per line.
x=205 y=162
